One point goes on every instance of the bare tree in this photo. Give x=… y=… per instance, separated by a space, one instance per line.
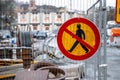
x=7 y=13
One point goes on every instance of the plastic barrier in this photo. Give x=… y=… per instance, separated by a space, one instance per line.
x=115 y=31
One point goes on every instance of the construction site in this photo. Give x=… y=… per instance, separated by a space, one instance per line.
x=59 y=40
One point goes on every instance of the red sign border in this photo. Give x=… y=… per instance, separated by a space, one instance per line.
x=78 y=20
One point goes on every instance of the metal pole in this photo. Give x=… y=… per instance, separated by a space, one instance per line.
x=94 y=14
x=99 y=52
x=40 y=16
x=53 y=21
x=70 y=4
x=29 y=20
x=93 y=6
x=2 y=25
x=104 y=27
x=95 y=58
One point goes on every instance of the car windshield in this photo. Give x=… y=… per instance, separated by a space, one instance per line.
x=34 y=32
x=55 y=31
x=114 y=26
x=41 y=33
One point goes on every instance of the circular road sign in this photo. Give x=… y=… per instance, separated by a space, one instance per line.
x=78 y=39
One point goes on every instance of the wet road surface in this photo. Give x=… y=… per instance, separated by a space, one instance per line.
x=113 y=60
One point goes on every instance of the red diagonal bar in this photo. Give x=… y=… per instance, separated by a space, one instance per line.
x=80 y=40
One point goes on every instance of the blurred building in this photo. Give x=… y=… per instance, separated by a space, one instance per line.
x=43 y=17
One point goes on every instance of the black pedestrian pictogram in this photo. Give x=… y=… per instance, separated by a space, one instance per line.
x=80 y=33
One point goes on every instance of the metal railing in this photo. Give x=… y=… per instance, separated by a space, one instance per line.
x=97 y=14
x=94 y=10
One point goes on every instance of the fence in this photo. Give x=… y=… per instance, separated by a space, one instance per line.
x=97 y=14
x=51 y=14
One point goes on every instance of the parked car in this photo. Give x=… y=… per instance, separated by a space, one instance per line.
x=54 y=33
x=34 y=33
x=40 y=35
x=5 y=34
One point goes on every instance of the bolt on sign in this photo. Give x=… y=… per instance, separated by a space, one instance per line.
x=117 y=11
x=78 y=38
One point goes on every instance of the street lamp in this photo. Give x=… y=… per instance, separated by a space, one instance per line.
x=15 y=30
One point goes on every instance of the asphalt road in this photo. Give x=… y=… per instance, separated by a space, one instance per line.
x=113 y=60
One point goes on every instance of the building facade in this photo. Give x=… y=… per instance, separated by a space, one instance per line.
x=43 y=17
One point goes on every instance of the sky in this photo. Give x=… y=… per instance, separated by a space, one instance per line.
x=71 y=4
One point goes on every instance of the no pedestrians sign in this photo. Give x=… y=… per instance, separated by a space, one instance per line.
x=78 y=39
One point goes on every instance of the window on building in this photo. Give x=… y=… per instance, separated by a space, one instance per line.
x=47 y=17
x=58 y=17
x=35 y=26
x=46 y=27
x=23 y=19
x=23 y=25
x=35 y=17
x=71 y=14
